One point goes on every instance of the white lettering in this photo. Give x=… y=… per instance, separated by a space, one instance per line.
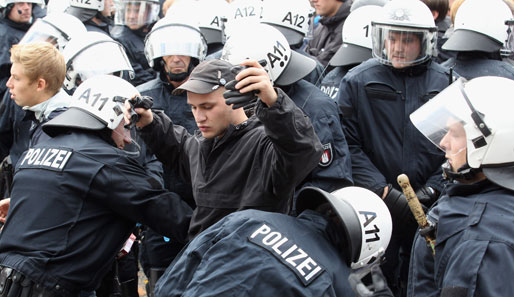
x=65 y=160
x=264 y=229
x=271 y=238
x=301 y=255
x=278 y=244
x=313 y=273
x=289 y=251
x=306 y=264
x=58 y=159
x=27 y=156
x=34 y=156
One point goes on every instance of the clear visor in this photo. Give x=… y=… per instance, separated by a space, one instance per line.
x=402 y=46
x=135 y=14
x=43 y=31
x=175 y=40
x=101 y=58
x=442 y=119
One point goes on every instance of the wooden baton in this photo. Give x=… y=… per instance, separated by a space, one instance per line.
x=415 y=207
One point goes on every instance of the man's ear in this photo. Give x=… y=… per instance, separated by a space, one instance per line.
x=435 y=14
x=41 y=84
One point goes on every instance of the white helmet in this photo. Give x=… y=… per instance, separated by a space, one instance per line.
x=401 y=20
x=211 y=15
x=91 y=54
x=137 y=13
x=88 y=4
x=356 y=46
x=57 y=28
x=290 y=17
x=4 y=3
x=283 y=65
x=169 y=37
x=365 y=219
x=241 y=13
x=487 y=121
x=479 y=26
x=54 y=6
x=97 y=103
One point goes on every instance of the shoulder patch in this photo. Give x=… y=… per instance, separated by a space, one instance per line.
x=327 y=157
x=45 y=158
x=288 y=253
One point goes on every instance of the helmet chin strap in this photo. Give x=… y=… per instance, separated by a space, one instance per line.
x=178 y=77
x=465 y=173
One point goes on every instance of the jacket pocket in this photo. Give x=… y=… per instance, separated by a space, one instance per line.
x=380 y=91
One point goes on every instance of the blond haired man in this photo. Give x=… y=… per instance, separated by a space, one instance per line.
x=33 y=96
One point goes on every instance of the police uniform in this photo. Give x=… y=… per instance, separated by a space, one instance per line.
x=83 y=196
x=334 y=169
x=475 y=64
x=256 y=164
x=134 y=43
x=474 y=253
x=376 y=101
x=10 y=34
x=330 y=83
x=256 y=253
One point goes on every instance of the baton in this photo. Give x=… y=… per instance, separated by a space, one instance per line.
x=415 y=207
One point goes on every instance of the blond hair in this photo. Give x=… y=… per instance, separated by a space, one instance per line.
x=41 y=60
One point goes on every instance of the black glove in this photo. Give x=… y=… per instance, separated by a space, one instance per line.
x=427 y=196
x=233 y=96
x=379 y=287
x=145 y=102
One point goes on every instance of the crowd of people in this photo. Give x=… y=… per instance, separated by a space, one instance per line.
x=252 y=147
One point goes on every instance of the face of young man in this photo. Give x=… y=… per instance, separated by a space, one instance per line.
x=23 y=91
x=212 y=114
x=402 y=48
x=26 y=12
x=454 y=144
x=326 y=8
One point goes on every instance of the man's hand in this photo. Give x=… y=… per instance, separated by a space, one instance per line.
x=145 y=115
x=4 y=209
x=379 y=287
x=256 y=79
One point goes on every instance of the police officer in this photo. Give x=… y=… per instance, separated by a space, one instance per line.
x=173 y=48
x=376 y=97
x=471 y=220
x=134 y=19
x=93 y=193
x=16 y=18
x=256 y=253
x=95 y=14
x=356 y=47
x=291 y=18
x=235 y=162
x=286 y=68
x=479 y=35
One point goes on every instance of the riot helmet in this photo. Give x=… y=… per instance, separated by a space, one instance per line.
x=404 y=34
x=97 y=103
x=57 y=28
x=6 y=7
x=136 y=13
x=283 y=65
x=86 y=10
x=91 y=54
x=169 y=37
x=365 y=221
x=211 y=16
x=473 y=128
x=479 y=26
x=290 y=17
x=356 y=46
x=53 y=6
x=242 y=13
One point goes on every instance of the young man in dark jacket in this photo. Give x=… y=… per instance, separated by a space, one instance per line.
x=235 y=162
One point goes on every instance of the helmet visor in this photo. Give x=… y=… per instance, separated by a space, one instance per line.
x=402 y=46
x=442 y=119
x=135 y=14
x=44 y=31
x=101 y=58
x=175 y=40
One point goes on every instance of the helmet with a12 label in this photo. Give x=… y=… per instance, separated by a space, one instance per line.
x=97 y=103
x=283 y=65
x=290 y=17
x=364 y=218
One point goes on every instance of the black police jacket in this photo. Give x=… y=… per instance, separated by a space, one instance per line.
x=74 y=202
x=334 y=169
x=134 y=44
x=256 y=164
x=10 y=34
x=376 y=103
x=470 y=66
x=256 y=253
x=474 y=250
x=330 y=83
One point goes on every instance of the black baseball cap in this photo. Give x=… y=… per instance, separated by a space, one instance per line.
x=208 y=76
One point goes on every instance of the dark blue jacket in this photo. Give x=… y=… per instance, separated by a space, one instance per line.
x=256 y=253
x=376 y=102
x=10 y=34
x=331 y=81
x=74 y=202
x=334 y=170
x=470 y=66
x=474 y=251
x=134 y=44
